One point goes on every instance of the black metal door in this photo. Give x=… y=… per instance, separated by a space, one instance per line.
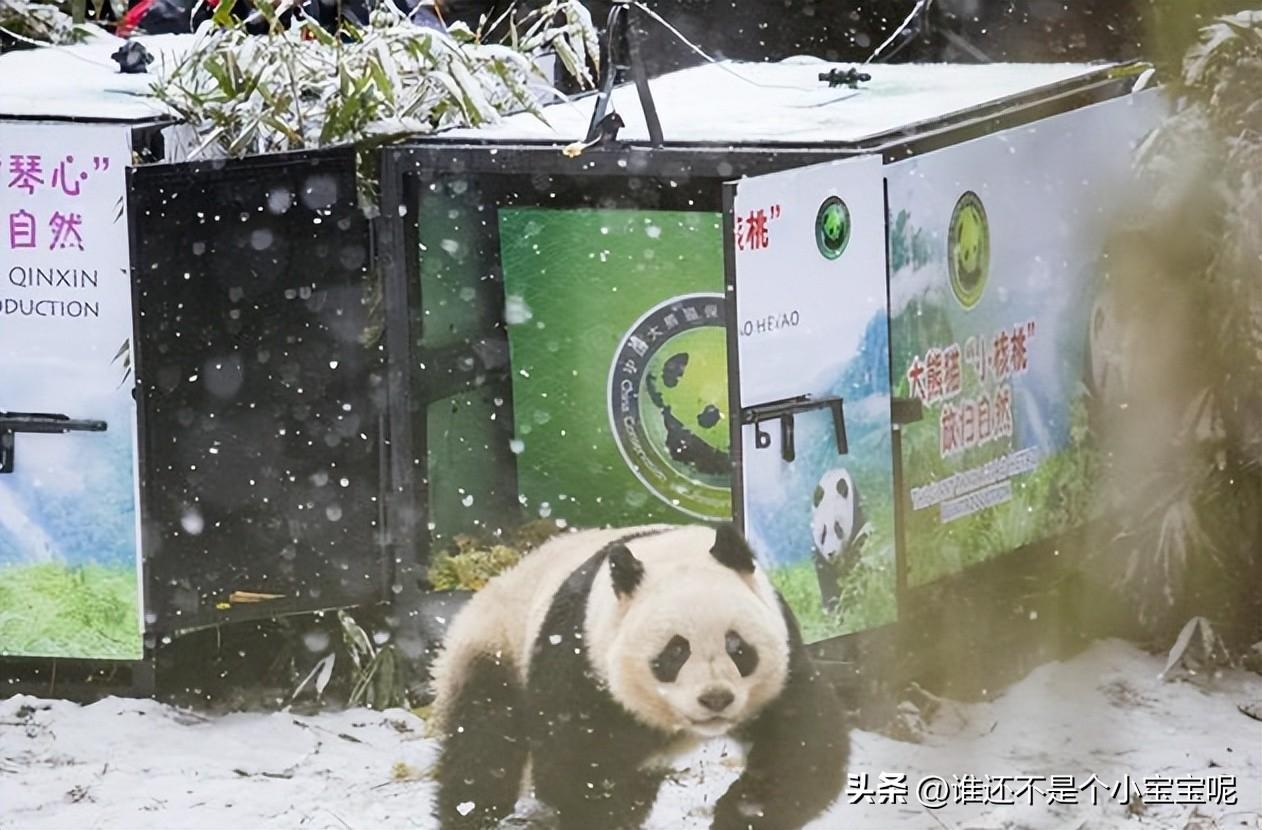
x=259 y=364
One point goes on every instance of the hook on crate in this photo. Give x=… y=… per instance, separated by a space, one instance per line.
x=786 y=412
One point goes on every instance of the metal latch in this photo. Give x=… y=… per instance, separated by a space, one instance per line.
x=11 y=423
x=786 y=411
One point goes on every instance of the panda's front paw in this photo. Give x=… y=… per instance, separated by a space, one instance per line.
x=736 y=811
x=531 y=815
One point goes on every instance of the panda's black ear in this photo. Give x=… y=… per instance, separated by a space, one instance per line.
x=625 y=570
x=732 y=550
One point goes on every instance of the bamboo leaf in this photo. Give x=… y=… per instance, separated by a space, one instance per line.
x=295 y=138
x=220 y=74
x=357 y=641
x=321 y=672
x=223 y=14
x=570 y=60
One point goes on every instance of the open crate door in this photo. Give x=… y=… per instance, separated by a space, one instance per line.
x=261 y=390
x=810 y=367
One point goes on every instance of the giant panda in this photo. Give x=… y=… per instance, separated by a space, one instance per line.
x=605 y=652
x=1106 y=340
x=1128 y=263
x=838 y=532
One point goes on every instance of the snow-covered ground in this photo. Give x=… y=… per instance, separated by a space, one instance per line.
x=139 y=764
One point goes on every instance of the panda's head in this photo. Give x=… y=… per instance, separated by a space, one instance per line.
x=688 y=636
x=836 y=516
x=1105 y=350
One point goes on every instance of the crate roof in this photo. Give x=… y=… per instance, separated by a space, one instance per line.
x=785 y=103
x=81 y=82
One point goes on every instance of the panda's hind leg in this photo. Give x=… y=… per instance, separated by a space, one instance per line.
x=829 y=588
x=483 y=749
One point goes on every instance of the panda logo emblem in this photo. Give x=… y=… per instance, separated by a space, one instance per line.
x=832 y=227
x=838 y=532
x=668 y=405
x=968 y=250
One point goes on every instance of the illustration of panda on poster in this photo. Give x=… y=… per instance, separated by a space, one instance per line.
x=576 y=676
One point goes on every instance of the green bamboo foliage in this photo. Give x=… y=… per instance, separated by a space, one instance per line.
x=300 y=87
x=1187 y=455
x=29 y=22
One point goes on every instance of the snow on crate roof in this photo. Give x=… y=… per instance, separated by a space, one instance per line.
x=729 y=102
x=786 y=103
x=82 y=82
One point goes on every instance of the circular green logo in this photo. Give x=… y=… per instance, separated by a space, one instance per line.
x=832 y=227
x=668 y=405
x=968 y=249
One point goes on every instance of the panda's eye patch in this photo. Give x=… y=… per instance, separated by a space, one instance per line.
x=667 y=664
x=742 y=653
x=819 y=494
x=843 y=489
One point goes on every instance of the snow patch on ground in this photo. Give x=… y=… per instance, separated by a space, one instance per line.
x=139 y=764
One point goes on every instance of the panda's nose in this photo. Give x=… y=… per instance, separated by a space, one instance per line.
x=717 y=699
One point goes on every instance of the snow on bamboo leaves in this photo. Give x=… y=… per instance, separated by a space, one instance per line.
x=300 y=87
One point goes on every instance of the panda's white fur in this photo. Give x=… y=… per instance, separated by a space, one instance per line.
x=504 y=619
x=557 y=671
x=686 y=591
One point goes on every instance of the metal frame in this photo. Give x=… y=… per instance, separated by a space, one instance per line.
x=621 y=52
x=400 y=271
x=736 y=444
x=701 y=165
